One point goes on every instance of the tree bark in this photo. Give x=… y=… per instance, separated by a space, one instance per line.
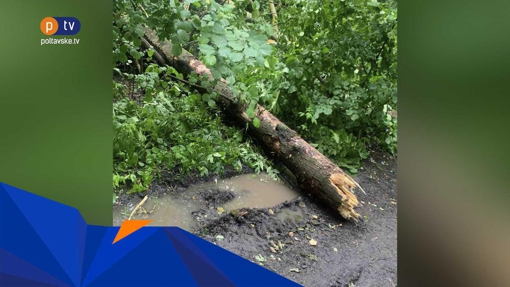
x=314 y=172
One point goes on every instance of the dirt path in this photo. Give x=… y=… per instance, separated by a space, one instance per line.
x=346 y=253
x=362 y=254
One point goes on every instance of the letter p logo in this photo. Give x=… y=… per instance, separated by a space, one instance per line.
x=49 y=26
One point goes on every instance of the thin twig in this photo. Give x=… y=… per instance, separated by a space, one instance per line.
x=146 y=15
x=274 y=16
x=138 y=206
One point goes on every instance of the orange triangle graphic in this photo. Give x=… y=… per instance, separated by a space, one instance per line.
x=128 y=227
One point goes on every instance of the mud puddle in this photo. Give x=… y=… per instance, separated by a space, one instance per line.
x=206 y=201
x=164 y=211
x=257 y=191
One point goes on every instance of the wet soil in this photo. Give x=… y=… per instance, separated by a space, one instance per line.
x=302 y=239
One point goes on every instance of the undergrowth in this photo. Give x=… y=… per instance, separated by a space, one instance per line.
x=173 y=130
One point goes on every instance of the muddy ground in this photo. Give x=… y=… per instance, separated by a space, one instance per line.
x=279 y=238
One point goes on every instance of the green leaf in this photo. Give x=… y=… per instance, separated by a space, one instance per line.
x=209 y=60
x=236 y=45
x=254 y=91
x=218 y=28
x=256 y=123
x=183 y=36
x=176 y=50
x=195 y=21
x=219 y=41
x=216 y=73
x=250 y=52
x=373 y=3
x=176 y=46
x=236 y=57
x=266 y=49
x=184 y=25
x=185 y=14
x=224 y=52
x=251 y=109
x=207 y=49
x=203 y=40
x=137 y=42
x=135 y=54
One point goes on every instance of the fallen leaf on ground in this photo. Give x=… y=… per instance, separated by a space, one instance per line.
x=260 y=258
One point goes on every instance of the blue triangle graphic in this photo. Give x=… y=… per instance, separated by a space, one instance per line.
x=27 y=244
x=62 y=242
x=13 y=265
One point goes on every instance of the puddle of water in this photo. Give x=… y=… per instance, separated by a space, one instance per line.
x=166 y=211
x=257 y=191
x=250 y=190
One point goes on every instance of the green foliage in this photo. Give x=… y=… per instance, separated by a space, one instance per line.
x=172 y=128
x=340 y=74
x=331 y=76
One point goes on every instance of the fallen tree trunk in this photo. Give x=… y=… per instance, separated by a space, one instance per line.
x=314 y=172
